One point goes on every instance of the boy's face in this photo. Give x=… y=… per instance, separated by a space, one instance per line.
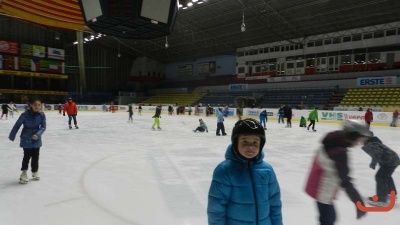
x=249 y=145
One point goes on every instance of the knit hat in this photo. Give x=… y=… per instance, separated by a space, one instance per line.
x=247 y=127
x=355 y=129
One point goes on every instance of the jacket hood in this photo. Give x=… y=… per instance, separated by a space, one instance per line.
x=230 y=154
x=335 y=139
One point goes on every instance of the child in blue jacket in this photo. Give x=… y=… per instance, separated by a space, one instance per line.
x=244 y=188
x=34 y=125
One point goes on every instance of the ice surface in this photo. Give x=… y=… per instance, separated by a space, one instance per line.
x=110 y=172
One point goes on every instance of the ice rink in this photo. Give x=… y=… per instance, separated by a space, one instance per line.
x=110 y=172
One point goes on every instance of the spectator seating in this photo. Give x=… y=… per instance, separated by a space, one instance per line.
x=297 y=98
x=372 y=97
x=174 y=98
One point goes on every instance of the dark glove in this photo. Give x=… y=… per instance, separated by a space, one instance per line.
x=64 y=114
x=372 y=166
x=76 y=114
x=360 y=213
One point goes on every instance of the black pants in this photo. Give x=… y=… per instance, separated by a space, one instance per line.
x=289 y=121
x=221 y=127
x=201 y=129
x=312 y=122
x=70 y=117
x=327 y=214
x=28 y=154
x=384 y=182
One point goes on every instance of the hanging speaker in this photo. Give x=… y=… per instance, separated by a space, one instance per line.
x=130 y=19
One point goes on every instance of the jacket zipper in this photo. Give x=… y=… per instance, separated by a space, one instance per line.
x=254 y=190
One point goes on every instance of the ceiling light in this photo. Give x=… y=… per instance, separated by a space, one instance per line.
x=195 y=0
x=243 y=26
x=189 y=4
x=200 y=2
x=166 y=42
x=76 y=42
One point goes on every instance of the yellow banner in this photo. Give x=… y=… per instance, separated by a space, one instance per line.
x=10 y=91
x=32 y=74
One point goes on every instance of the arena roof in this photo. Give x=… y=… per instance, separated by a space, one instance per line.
x=214 y=27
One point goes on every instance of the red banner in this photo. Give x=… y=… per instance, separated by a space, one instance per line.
x=9 y=47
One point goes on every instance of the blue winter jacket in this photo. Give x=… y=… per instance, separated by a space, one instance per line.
x=244 y=192
x=220 y=116
x=33 y=123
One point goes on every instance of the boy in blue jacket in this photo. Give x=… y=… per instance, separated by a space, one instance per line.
x=244 y=188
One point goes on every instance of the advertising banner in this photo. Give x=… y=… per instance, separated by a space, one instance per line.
x=207 y=67
x=377 y=81
x=26 y=49
x=9 y=47
x=56 y=53
x=40 y=51
x=185 y=70
x=238 y=87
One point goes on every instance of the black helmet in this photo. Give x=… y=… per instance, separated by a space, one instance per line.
x=247 y=127
x=356 y=128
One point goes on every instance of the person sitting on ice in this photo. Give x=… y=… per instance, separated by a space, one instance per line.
x=202 y=127
x=303 y=122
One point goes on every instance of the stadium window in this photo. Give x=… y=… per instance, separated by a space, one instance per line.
x=296 y=47
x=287 y=48
x=291 y=47
x=318 y=43
x=301 y=46
x=261 y=51
x=359 y=59
x=277 y=48
x=345 y=59
x=258 y=69
x=310 y=44
x=266 y=50
x=271 y=49
x=289 y=65
x=367 y=36
x=240 y=54
x=300 y=64
x=356 y=37
x=246 y=53
x=310 y=62
x=327 y=41
x=374 y=57
x=346 y=39
x=391 y=32
x=379 y=34
x=337 y=40
x=398 y=31
x=241 y=70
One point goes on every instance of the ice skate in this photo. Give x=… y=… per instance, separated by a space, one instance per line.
x=35 y=176
x=308 y=128
x=70 y=127
x=152 y=128
x=23 y=179
x=378 y=203
x=76 y=126
x=314 y=130
x=158 y=128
